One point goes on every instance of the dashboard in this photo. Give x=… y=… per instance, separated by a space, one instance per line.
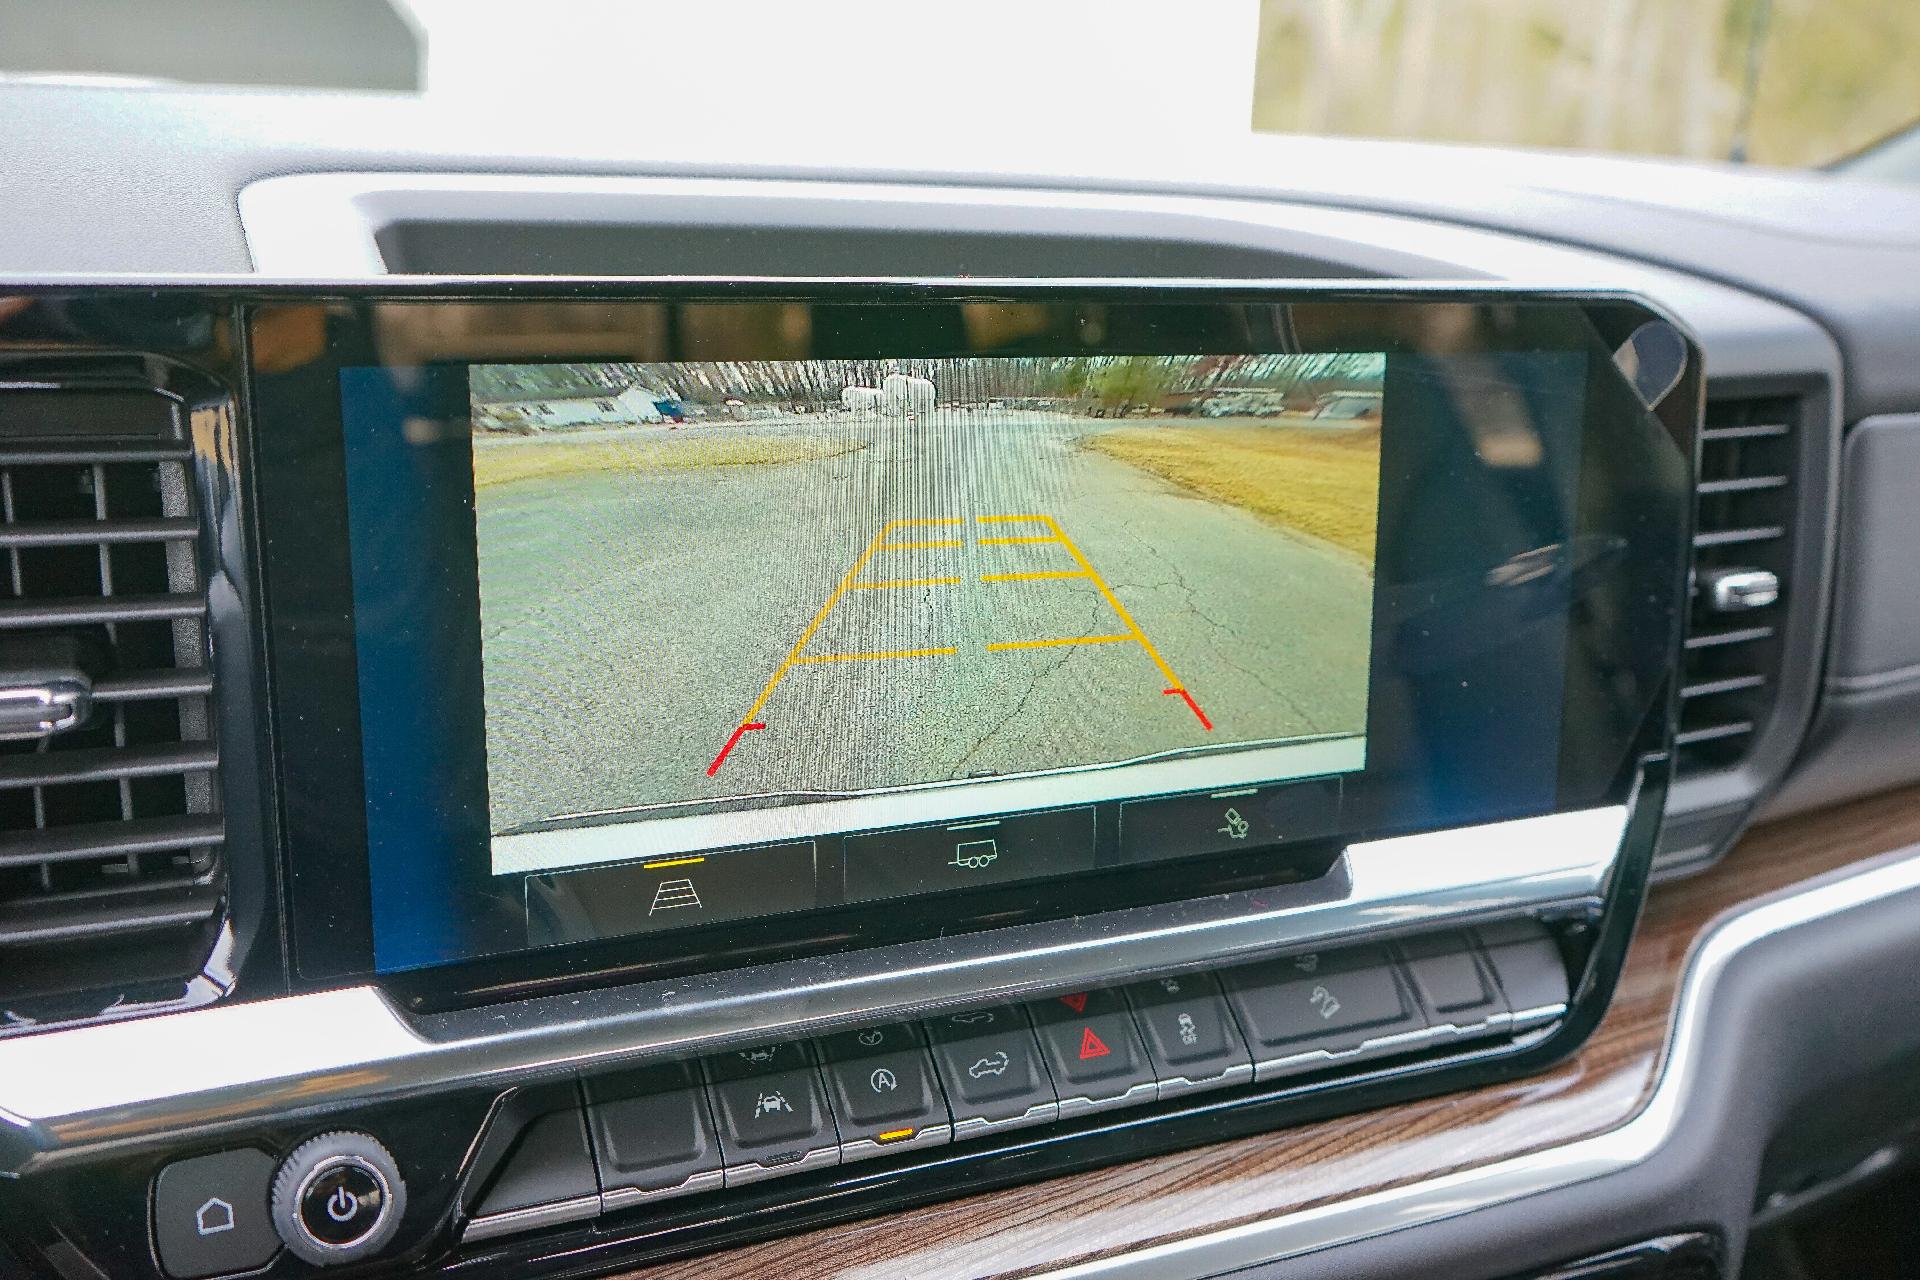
x=564 y=718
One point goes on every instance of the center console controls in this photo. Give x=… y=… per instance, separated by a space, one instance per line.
x=740 y=1117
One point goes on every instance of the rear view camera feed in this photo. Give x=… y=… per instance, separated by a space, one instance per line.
x=727 y=602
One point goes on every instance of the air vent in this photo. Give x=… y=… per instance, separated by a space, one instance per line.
x=1742 y=558
x=110 y=829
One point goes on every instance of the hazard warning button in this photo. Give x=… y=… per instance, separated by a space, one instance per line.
x=1094 y=1051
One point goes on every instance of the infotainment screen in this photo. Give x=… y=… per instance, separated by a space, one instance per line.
x=690 y=628
x=785 y=599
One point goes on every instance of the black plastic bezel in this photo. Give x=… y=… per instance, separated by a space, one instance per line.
x=601 y=963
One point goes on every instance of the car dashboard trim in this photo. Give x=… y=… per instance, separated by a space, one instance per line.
x=222 y=1066
x=1452 y=1195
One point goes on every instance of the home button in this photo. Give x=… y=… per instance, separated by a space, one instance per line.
x=338 y=1198
x=210 y=1214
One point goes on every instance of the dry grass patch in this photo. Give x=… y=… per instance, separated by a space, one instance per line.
x=1324 y=483
x=505 y=462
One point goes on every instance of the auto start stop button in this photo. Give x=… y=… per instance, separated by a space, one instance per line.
x=340 y=1205
x=338 y=1198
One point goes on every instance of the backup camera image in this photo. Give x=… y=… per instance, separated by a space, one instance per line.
x=792 y=597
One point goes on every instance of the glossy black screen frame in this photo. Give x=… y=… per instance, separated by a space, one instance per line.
x=302 y=518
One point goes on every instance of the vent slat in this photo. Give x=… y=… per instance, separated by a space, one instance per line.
x=1741 y=484
x=105 y=764
x=1731 y=684
x=110 y=839
x=1751 y=431
x=81 y=611
x=142 y=686
x=106 y=452
x=1715 y=639
x=1712 y=733
x=1710 y=538
x=86 y=917
x=86 y=533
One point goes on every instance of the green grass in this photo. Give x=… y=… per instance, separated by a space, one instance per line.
x=499 y=462
x=1322 y=483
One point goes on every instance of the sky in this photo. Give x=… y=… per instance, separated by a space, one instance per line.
x=908 y=75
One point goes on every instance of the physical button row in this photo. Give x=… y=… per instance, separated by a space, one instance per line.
x=743 y=1116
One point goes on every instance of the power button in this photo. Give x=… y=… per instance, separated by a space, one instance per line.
x=338 y=1198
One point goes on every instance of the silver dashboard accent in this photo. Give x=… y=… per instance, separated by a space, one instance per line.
x=739 y=1175
x=1137 y=1095
x=980 y=1126
x=215 y=1068
x=534 y=1217
x=45 y=708
x=1215 y=1253
x=1293 y=1064
x=1180 y=1086
x=1736 y=590
x=618 y=1198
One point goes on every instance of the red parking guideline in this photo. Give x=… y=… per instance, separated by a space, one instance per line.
x=1204 y=722
x=722 y=757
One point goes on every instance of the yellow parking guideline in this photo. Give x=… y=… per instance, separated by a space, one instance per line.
x=786 y=663
x=1047 y=576
x=1013 y=542
x=863 y=657
x=1050 y=644
x=905 y=582
x=1118 y=608
x=673 y=862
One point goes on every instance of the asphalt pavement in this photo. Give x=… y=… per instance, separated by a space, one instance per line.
x=634 y=622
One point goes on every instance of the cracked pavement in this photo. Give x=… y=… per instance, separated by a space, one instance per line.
x=631 y=620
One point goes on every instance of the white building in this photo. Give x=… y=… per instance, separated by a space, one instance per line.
x=861 y=399
x=902 y=394
x=630 y=406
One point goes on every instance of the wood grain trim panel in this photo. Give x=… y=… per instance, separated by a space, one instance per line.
x=1083 y=1217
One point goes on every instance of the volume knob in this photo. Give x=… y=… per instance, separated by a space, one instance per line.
x=338 y=1198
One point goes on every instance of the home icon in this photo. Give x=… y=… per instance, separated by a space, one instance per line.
x=213 y=1217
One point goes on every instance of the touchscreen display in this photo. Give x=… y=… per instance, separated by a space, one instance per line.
x=737 y=626
x=728 y=602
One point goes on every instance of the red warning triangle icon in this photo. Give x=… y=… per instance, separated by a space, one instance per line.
x=1091 y=1045
x=1076 y=1002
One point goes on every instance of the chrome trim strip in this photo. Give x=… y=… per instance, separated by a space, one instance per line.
x=1180 y=1086
x=532 y=1218
x=980 y=1126
x=739 y=1175
x=617 y=1198
x=1444 y=1033
x=1135 y=1096
x=226 y=1065
x=1216 y=1253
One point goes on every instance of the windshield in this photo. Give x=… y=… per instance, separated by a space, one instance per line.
x=1778 y=82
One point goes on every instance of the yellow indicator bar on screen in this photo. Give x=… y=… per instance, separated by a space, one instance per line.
x=672 y=862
